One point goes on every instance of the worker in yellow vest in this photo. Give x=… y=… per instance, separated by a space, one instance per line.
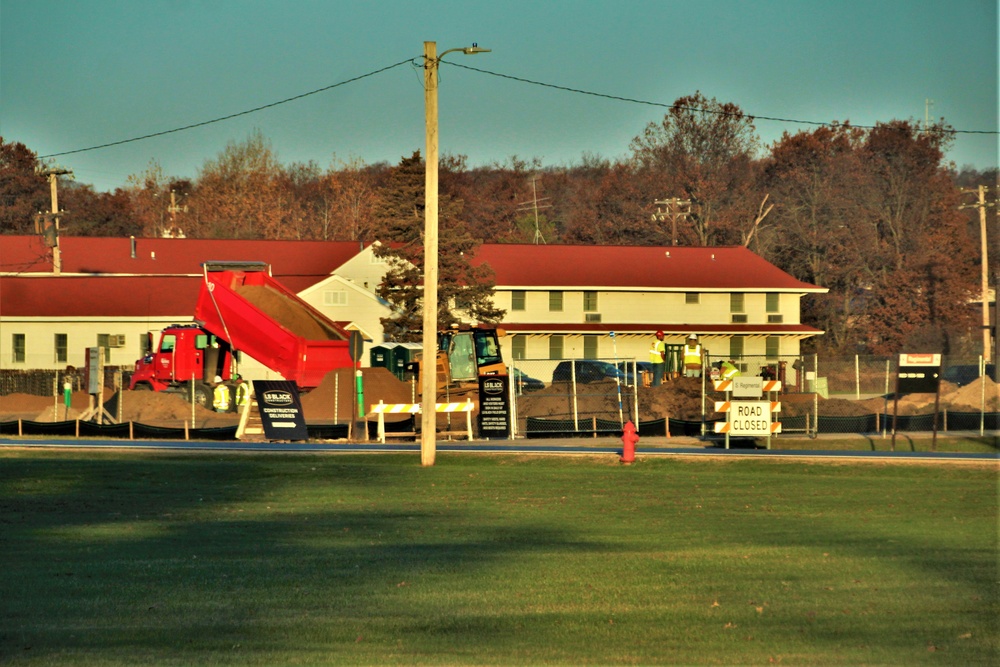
x=693 y=357
x=728 y=370
x=657 y=357
x=241 y=393
x=220 y=395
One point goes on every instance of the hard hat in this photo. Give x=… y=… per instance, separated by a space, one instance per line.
x=218 y=379
x=659 y=334
x=692 y=336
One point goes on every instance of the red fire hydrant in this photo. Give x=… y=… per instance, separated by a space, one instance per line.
x=629 y=438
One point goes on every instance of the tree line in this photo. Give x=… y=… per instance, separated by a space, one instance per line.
x=873 y=214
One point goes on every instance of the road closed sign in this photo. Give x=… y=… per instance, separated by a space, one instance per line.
x=750 y=418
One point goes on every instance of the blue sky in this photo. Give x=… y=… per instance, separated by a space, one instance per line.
x=80 y=74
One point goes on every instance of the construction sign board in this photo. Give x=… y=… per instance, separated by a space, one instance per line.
x=750 y=418
x=919 y=373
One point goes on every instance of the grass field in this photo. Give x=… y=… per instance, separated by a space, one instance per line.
x=199 y=559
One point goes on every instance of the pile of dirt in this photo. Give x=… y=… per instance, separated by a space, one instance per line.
x=334 y=399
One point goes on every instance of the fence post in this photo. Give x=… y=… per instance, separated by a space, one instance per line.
x=857 y=378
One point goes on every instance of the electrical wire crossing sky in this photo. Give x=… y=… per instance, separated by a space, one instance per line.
x=108 y=89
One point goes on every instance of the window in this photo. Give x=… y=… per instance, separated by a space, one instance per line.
x=589 y=302
x=18 y=352
x=61 y=347
x=692 y=298
x=736 y=303
x=555 y=302
x=335 y=298
x=518 y=346
x=517 y=298
x=772 y=302
x=104 y=340
x=736 y=347
x=589 y=346
x=772 y=347
x=555 y=347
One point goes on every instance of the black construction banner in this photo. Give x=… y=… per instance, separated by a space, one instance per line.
x=494 y=407
x=280 y=410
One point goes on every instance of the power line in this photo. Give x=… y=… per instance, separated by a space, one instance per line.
x=510 y=77
x=230 y=116
x=680 y=107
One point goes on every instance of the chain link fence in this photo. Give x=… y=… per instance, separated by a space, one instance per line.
x=597 y=396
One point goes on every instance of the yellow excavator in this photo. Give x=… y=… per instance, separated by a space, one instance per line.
x=464 y=353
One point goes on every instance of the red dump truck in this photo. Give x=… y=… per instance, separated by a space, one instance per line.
x=242 y=308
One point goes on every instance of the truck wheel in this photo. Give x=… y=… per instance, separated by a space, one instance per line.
x=143 y=386
x=203 y=396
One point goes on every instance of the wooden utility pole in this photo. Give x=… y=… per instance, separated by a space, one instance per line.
x=53 y=175
x=982 y=205
x=676 y=208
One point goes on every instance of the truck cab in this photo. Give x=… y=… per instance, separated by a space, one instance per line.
x=186 y=355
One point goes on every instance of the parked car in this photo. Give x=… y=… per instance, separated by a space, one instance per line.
x=964 y=374
x=587 y=370
x=525 y=383
x=641 y=367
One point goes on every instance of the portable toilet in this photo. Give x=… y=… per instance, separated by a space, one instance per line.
x=402 y=354
x=381 y=356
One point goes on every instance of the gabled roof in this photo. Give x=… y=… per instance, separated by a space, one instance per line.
x=297 y=264
x=99 y=296
x=673 y=268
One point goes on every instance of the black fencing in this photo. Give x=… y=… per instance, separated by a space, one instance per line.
x=138 y=431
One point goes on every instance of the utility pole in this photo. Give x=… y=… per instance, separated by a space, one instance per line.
x=534 y=206
x=173 y=209
x=982 y=205
x=676 y=208
x=53 y=175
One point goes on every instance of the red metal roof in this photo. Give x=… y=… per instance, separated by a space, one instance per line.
x=660 y=267
x=98 y=296
x=158 y=256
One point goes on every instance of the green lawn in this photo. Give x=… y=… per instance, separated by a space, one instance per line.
x=208 y=559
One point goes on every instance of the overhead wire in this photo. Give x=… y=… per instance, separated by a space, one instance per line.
x=510 y=77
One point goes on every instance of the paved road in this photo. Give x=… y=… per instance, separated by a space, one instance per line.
x=681 y=446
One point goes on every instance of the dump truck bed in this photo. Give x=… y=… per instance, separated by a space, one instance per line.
x=243 y=304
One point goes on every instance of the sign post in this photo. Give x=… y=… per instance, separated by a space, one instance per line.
x=356 y=345
x=918 y=374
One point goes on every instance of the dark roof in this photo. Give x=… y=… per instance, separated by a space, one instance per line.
x=676 y=268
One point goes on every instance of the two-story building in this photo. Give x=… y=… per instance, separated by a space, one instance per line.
x=562 y=301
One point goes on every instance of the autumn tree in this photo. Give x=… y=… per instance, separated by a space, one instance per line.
x=910 y=207
x=464 y=290
x=812 y=179
x=23 y=192
x=703 y=150
x=98 y=213
x=242 y=193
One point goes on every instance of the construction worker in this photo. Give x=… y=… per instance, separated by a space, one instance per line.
x=657 y=357
x=242 y=393
x=220 y=395
x=728 y=370
x=693 y=357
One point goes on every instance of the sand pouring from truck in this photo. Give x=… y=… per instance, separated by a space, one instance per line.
x=241 y=308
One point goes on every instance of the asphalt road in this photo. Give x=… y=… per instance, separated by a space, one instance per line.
x=681 y=446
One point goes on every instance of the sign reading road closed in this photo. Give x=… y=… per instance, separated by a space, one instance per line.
x=750 y=418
